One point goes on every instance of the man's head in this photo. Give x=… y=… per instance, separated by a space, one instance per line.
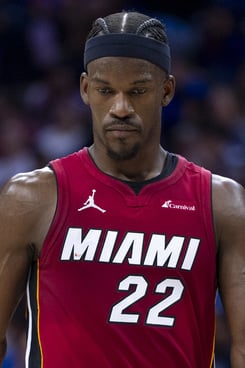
x=129 y=34
x=127 y=81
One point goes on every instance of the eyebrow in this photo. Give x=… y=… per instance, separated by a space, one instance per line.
x=138 y=81
x=141 y=81
x=99 y=80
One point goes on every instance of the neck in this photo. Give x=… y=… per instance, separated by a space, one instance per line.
x=142 y=167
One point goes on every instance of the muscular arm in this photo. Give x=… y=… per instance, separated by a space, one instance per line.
x=229 y=212
x=27 y=205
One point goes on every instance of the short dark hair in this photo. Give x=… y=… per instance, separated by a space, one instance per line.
x=129 y=22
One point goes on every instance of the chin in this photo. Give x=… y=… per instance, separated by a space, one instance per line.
x=123 y=153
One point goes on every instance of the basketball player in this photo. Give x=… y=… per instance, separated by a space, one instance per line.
x=122 y=245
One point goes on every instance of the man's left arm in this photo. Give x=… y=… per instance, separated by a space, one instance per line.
x=229 y=216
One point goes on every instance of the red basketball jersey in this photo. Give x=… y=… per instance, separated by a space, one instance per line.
x=125 y=280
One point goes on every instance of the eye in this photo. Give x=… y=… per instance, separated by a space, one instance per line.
x=105 y=91
x=138 y=91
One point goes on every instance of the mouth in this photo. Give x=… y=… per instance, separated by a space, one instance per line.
x=122 y=127
x=121 y=130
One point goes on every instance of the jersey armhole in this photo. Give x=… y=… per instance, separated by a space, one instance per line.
x=62 y=205
x=207 y=206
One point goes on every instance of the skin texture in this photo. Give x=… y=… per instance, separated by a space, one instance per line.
x=27 y=205
x=126 y=98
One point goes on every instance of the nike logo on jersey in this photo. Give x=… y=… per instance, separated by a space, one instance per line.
x=90 y=203
x=178 y=251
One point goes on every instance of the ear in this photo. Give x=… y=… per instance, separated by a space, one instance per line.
x=84 y=88
x=168 y=90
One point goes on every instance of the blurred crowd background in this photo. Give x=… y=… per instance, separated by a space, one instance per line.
x=42 y=116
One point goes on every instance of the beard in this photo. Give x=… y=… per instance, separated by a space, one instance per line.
x=124 y=152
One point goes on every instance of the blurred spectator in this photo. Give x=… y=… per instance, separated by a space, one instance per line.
x=65 y=132
x=221 y=48
x=15 y=149
x=226 y=118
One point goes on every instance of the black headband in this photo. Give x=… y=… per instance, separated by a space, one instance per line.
x=128 y=45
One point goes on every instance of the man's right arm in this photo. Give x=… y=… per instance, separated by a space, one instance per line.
x=27 y=205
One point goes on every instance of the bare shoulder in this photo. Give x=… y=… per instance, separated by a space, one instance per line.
x=29 y=199
x=228 y=198
x=28 y=190
x=227 y=193
x=32 y=177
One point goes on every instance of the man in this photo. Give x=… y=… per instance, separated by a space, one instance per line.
x=122 y=245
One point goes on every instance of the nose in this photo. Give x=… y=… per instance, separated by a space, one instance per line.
x=121 y=106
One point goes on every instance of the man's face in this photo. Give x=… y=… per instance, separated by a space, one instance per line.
x=126 y=97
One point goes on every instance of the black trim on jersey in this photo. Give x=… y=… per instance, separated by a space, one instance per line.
x=34 y=358
x=168 y=168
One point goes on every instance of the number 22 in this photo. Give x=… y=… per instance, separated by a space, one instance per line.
x=153 y=316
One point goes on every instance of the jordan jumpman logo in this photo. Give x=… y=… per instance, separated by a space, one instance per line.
x=90 y=203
